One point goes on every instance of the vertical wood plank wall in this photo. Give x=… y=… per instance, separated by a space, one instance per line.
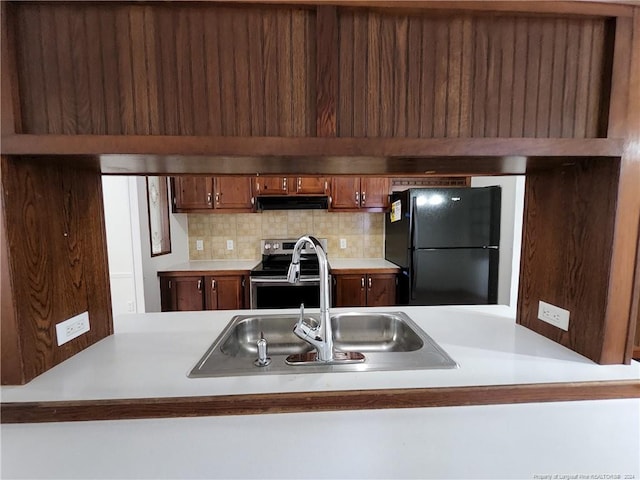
x=437 y=76
x=58 y=260
x=170 y=70
x=251 y=70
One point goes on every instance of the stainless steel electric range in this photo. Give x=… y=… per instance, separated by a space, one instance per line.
x=269 y=286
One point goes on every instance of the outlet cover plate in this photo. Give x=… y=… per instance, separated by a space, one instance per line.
x=72 y=328
x=556 y=316
x=229 y=244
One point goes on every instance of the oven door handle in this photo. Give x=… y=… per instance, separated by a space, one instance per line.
x=284 y=280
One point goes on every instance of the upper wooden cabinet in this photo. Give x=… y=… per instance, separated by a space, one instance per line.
x=230 y=194
x=192 y=193
x=360 y=193
x=233 y=193
x=271 y=185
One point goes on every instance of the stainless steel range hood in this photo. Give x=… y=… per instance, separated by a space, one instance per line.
x=296 y=202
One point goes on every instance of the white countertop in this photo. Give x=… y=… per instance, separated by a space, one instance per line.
x=360 y=263
x=151 y=354
x=334 y=263
x=206 y=265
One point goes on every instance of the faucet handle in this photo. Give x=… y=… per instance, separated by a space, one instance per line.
x=304 y=330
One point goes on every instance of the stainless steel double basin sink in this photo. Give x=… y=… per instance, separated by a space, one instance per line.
x=389 y=341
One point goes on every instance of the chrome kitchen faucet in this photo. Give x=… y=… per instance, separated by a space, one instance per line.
x=320 y=336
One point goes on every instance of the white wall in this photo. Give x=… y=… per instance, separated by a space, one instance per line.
x=120 y=246
x=151 y=265
x=510 y=234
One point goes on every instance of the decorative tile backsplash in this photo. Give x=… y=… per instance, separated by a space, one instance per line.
x=363 y=232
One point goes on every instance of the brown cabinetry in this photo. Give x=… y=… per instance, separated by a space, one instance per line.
x=360 y=193
x=291 y=186
x=206 y=194
x=364 y=289
x=201 y=292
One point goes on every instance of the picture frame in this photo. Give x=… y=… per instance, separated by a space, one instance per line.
x=158 y=214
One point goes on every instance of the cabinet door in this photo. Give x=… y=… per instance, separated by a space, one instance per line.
x=381 y=290
x=192 y=192
x=311 y=185
x=350 y=290
x=233 y=193
x=345 y=192
x=374 y=192
x=180 y=294
x=225 y=292
x=271 y=185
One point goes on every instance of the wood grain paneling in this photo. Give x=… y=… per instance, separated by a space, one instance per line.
x=198 y=69
x=567 y=250
x=57 y=252
x=471 y=76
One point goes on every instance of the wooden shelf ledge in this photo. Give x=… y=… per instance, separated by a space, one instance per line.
x=176 y=155
x=252 y=404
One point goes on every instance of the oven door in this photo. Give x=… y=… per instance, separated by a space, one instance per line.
x=276 y=292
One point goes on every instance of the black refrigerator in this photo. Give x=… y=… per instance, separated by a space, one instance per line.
x=446 y=242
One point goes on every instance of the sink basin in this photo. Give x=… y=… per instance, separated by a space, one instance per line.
x=389 y=341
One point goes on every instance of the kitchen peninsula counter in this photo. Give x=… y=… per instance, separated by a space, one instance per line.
x=150 y=355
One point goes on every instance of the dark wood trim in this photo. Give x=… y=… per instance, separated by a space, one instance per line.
x=364 y=271
x=191 y=273
x=11 y=364
x=308 y=146
x=617 y=345
x=617 y=125
x=326 y=70
x=10 y=111
x=599 y=8
x=252 y=404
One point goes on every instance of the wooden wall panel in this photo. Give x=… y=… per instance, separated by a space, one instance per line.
x=430 y=76
x=567 y=248
x=167 y=70
x=57 y=260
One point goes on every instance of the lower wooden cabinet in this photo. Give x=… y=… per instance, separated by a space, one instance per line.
x=202 y=292
x=364 y=289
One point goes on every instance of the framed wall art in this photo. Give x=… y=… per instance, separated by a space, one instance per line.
x=158 y=203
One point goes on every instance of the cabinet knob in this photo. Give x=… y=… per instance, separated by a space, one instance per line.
x=357 y=198
x=209 y=198
x=284 y=184
x=362 y=282
x=199 y=285
x=217 y=198
x=369 y=282
x=213 y=284
x=364 y=197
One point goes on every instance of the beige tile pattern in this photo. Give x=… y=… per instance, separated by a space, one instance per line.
x=363 y=232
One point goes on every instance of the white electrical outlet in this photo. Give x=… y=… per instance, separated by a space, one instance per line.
x=72 y=328
x=229 y=244
x=130 y=306
x=556 y=316
x=343 y=243
x=199 y=245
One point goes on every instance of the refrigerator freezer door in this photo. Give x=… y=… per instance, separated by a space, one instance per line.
x=456 y=217
x=465 y=276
